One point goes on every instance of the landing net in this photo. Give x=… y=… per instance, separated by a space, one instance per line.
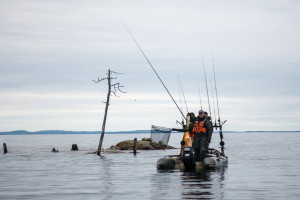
x=160 y=135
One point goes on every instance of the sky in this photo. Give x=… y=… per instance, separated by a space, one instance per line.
x=51 y=51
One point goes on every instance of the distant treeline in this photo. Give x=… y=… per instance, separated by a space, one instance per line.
x=23 y=132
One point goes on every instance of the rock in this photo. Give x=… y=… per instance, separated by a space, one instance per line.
x=147 y=139
x=141 y=145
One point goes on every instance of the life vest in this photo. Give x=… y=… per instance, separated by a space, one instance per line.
x=199 y=127
x=191 y=134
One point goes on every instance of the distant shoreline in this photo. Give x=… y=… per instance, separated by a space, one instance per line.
x=52 y=132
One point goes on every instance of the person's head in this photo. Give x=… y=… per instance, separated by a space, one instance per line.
x=205 y=113
x=192 y=117
x=201 y=113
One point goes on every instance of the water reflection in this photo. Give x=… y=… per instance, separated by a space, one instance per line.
x=196 y=185
x=203 y=185
x=106 y=176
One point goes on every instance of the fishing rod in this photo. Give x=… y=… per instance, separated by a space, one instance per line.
x=200 y=97
x=179 y=91
x=152 y=67
x=214 y=107
x=213 y=64
x=206 y=86
x=222 y=143
x=183 y=95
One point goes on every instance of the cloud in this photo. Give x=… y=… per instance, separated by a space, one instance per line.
x=52 y=50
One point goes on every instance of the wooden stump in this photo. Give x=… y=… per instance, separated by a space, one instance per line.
x=4 y=148
x=134 y=145
x=74 y=147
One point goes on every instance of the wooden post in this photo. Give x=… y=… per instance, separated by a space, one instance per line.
x=74 y=147
x=105 y=115
x=4 y=148
x=134 y=145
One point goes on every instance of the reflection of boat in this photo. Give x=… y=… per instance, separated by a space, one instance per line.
x=202 y=185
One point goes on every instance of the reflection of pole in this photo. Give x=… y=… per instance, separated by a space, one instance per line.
x=105 y=115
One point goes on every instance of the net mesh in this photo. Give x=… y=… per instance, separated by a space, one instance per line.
x=160 y=135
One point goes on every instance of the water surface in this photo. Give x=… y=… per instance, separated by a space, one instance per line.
x=261 y=166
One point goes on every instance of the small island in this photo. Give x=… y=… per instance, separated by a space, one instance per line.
x=144 y=144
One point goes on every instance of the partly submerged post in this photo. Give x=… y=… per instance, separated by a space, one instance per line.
x=74 y=147
x=134 y=145
x=4 y=148
x=116 y=86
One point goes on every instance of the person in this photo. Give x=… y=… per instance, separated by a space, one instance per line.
x=208 y=118
x=190 y=127
x=203 y=131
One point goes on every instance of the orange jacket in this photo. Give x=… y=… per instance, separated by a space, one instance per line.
x=199 y=127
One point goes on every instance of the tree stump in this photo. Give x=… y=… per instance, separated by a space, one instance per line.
x=74 y=147
x=4 y=148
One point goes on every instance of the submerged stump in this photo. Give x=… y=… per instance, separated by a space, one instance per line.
x=74 y=147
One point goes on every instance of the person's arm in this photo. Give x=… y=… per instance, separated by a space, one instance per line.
x=209 y=130
x=179 y=130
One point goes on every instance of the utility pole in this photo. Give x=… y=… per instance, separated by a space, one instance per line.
x=112 y=90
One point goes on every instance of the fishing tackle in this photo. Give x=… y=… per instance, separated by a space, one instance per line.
x=152 y=68
x=206 y=86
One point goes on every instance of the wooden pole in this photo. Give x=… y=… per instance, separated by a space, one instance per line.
x=4 y=148
x=105 y=115
x=134 y=145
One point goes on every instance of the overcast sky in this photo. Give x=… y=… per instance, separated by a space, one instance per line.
x=50 y=51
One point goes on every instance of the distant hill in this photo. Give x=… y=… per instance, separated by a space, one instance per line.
x=23 y=132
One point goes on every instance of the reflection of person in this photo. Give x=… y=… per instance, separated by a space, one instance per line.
x=203 y=131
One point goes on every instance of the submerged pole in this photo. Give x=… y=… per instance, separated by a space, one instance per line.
x=4 y=148
x=105 y=115
x=134 y=146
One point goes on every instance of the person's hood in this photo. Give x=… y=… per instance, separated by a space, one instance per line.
x=192 y=117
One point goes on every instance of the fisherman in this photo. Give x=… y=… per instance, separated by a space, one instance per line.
x=203 y=131
x=188 y=128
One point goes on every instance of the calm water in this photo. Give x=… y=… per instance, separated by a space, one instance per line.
x=261 y=166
